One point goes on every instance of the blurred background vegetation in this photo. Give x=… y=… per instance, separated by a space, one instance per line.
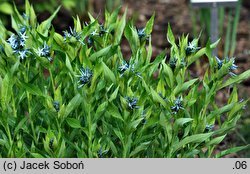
x=234 y=31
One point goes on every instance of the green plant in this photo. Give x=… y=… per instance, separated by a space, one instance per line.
x=80 y=7
x=76 y=96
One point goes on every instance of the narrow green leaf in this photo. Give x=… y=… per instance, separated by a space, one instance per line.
x=157 y=98
x=101 y=109
x=224 y=130
x=3 y=142
x=216 y=140
x=5 y=91
x=160 y=58
x=17 y=15
x=169 y=76
x=182 y=121
x=201 y=52
x=150 y=50
x=32 y=89
x=36 y=155
x=32 y=17
x=100 y=53
x=198 y=138
x=221 y=111
x=184 y=87
x=27 y=8
x=239 y=78
x=74 y=123
x=135 y=123
x=8 y=49
x=114 y=112
x=231 y=150
x=61 y=152
x=170 y=36
x=238 y=107
x=119 y=134
x=145 y=86
x=132 y=37
x=73 y=104
x=191 y=154
x=45 y=25
x=68 y=64
x=120 y=28
x=59 y=39
x=20 y=125
x=78 y=24
x=108 y=73
x=14 y=68
x=113 y=148
x=58 y=95
x=149 y=25
x=92 y=19
x=139 y=148
x=114 y=94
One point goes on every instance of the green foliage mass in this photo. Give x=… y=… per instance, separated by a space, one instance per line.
x=76 y=95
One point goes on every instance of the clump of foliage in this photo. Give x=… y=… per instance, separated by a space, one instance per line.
x=75 y=95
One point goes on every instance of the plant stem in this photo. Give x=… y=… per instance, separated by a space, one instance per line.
x=10 y=141
x=52 y=81
x=29 y=105
x=13 y=103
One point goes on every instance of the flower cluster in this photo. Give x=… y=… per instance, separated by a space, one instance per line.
x=102 y=30
x=51 y=142
x=141 y=33
x=231 y=68
x=90 y=38
x=143 y=115
x=17 y=43
x=56 y=105
x=244 y=106
x=23 y=27
x=44 y=51
x=23 y=53
x=100 y=153
x=219 y=63
x=209 y=127
x=178 y=104
x=85 y=76
x=192 y=47
x=90 y=41
x=172 y=63
x=125 y=66
x=73 y=33
x=132 y=102
x=160 y=94
x=183 y=63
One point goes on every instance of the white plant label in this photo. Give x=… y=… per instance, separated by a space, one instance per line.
x=212 y=1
